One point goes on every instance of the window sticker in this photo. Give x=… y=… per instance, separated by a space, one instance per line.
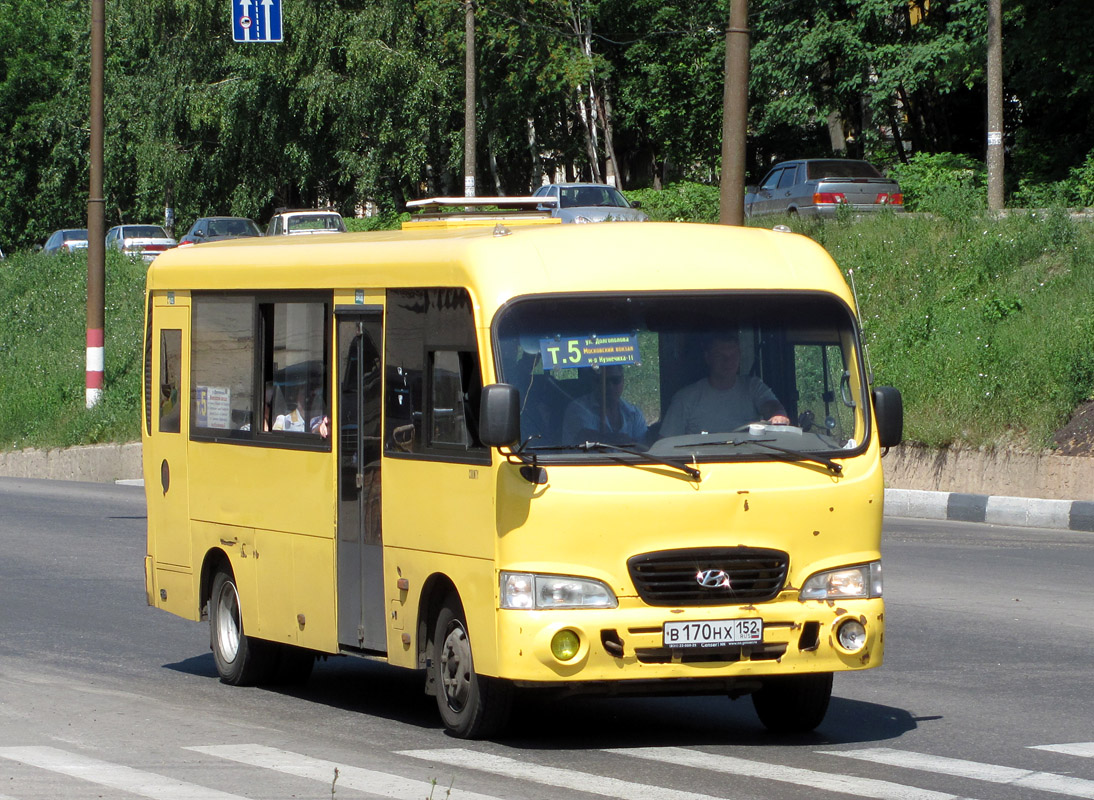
x=214 y=407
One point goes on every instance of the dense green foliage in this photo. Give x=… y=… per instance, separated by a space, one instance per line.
x=362 y=105
x=984 y=324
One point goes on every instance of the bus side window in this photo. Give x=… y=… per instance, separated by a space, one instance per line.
x=170 y=364
x=433 y=378
x=295 y=367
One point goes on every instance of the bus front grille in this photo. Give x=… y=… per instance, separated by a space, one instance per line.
x=709 y=576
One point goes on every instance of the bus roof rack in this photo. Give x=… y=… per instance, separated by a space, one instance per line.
x=472 y=211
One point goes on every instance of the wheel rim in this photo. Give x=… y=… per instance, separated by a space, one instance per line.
x=456 y=667
x=228 y=625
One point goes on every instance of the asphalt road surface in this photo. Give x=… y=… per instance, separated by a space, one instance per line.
x=986 y=691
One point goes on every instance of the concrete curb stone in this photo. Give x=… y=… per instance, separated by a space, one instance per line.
x=1023 y=512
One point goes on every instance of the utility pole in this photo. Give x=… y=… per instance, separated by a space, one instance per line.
x=96 y=245
x=469 y=102
x=995 y=105
x=735 y=116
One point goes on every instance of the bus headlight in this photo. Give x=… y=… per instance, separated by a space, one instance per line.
x=862 y=581
x=528 y=590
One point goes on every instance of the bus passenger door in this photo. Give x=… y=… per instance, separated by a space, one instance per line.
x=361 y=616
x=168 y=508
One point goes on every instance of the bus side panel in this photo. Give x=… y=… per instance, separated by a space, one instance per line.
x=475 y=581
x=288 y=570
x=300 y=611
x=454 y=537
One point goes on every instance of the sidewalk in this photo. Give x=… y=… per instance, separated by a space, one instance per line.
x=121 y=463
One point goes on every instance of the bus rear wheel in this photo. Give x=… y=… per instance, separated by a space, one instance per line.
x=793 y=703
x=472 y=706
x=240 y=659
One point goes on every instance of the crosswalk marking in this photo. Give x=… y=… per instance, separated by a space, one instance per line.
x=382 y=784
x=847 y=784
x=114 y=776
x=991 y=773
x=551 y=776
x=1082 y=749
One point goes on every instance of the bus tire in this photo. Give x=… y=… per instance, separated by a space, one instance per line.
x=472 y=706
x=240 y=659
x=793 y=703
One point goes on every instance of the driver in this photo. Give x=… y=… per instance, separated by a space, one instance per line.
x=723 y=401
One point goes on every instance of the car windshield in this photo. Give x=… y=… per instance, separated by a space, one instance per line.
x=74 y=235
x=233 y=227
x=587 y=196
x=316 y=222
x=839 y=168
x=144 y=232
x=712 y=377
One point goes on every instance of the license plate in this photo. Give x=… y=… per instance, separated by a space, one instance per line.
x=713 y=633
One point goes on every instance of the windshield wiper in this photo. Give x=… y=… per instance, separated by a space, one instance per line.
x=798 y=455
x=687 y=469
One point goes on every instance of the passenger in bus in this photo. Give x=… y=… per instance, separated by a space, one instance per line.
x=724 y=400
x=603 y=414
x=293 y=420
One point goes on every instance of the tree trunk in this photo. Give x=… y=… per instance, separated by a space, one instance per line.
x=612 y=172
x=537 y=162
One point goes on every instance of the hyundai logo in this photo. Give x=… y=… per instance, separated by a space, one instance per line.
x=712 y=579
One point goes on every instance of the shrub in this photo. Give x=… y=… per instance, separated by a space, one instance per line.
x=944 y=183
x=679 y=202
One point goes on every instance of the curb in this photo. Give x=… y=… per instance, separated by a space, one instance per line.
x=1021 y=512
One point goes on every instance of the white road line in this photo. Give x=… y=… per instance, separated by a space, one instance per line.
x=1082 y=749
x=382 y=784
x=551 y=776
x=847 y=784
x=990 y=773
x=114 y=776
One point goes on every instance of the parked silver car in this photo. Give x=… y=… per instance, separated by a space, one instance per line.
x=818 y=187
x=145 y=241
x=66 y=240
x=590 y=202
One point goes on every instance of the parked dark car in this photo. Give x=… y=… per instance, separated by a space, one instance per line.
x=66 y=240
x=145 y=241
x=213 y=229
x=590 y=202
x=818 y=187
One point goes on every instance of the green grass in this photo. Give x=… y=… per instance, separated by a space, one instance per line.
x=985 y=325
x=43 y=335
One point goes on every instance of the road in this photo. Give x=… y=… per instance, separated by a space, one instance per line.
x=986 y=691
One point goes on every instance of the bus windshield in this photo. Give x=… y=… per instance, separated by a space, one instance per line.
x=719 y=376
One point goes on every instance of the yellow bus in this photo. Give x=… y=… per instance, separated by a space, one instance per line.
x=629 y=458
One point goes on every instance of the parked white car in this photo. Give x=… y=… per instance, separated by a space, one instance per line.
x=293 y=222
x=144 y=241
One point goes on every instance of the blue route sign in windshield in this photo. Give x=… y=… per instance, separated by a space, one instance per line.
x=256 y=20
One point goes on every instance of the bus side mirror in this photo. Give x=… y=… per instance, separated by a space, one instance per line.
x=889 y=410
x=499 y=415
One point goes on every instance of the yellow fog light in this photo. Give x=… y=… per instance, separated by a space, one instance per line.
x=851 y=635
x=565 y=645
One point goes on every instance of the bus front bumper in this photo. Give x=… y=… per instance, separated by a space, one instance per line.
x=622 y=645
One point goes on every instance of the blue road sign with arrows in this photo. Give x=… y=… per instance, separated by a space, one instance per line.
x=256 y=20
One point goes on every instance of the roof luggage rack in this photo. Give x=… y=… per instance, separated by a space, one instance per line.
x=476 y=211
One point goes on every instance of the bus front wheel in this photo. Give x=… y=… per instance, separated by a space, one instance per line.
x=240 y=659
x=793 y=703
x=472 y=706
